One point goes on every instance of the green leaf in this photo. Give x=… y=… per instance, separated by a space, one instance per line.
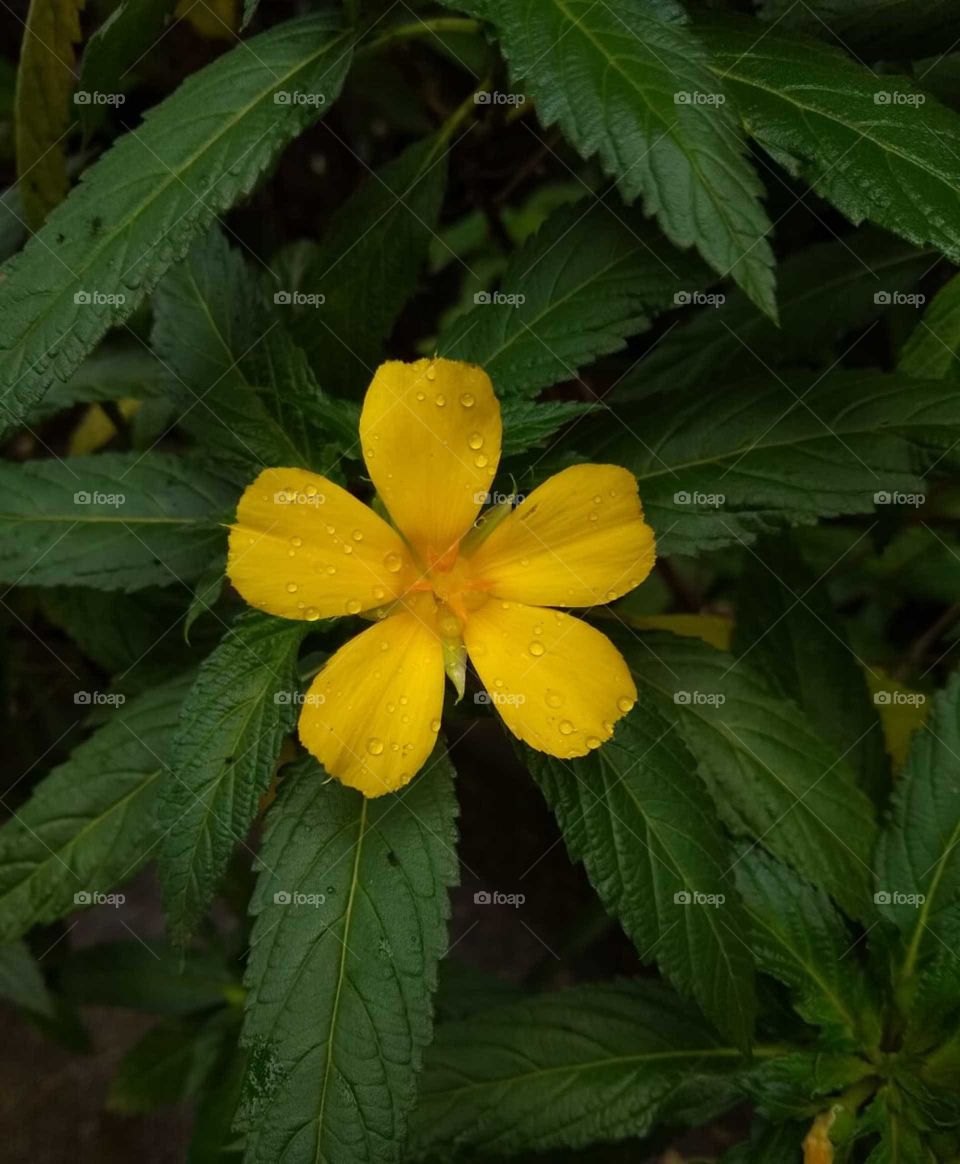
x=168 y=1065
x=900 y=1142
x=43 y=112
x=21 y=981
x=140 y=206
x=634 y=85
x=768 y=1144
x=576 y=290
x=918 y=855
x=527 y=424
x=874 y=145
x=107 y=375
x=246 y=393
x=147 y=976
x=368 y=265
x=351 y=908
x=122 y=42
x=89 y=825
x=632 y=812
x=824 y=292
x=897 y=29
x=567 y=1069
x=771 y=777
x=114 y=521
x=933 y=349
x=788 y=628
x=792 y=1086
x=232 y=724
x=798 y=936
x=766 y=455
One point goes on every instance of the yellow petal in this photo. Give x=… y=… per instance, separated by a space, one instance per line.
x=431 y=439
x=577 y=540
x=372 y=715
x=302 y=547
x=559 y=684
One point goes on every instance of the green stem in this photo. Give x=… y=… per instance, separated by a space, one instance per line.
x=419 y=28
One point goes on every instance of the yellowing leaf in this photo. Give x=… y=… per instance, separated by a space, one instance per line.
x=714 y=629
x=214 y=19
x=817 y=1148
x=95 y=428
x=43 y=112
x=902 y=711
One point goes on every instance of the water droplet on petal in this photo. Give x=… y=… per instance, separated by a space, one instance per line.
x=566 y=727
x=467 y=399
x=421 y=396
x=593 y=742
x=431 y=373
x=536 y=648
x=374 y=746
x=434 y=725
x=440 y=400
x=296 y=542
x=393 y=562
x=554 y=699
x=357 y=535
x=353 y=606
x=475 y=440
x=312 y=614
x=481 y=460
x=624 y=703
x=292 y=587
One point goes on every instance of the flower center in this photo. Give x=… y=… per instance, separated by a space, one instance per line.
x=456 y=588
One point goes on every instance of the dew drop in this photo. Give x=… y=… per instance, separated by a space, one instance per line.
x=431 y=373
x=353 y=606
x=481 y=460
x=440 y=400
x=357 y=535
x=374 y=746
x=594 y=517
x=593 y=741
x=475 y=440
x=384 y=646
x=347 y=549
x=331 y=570
x=536 y=648
x=393 y=562
x=554 y=699
x=297 y=542
x=434 y=725
x=421 y=396
x=624 y=703
x=378 y=593
x=467 y=399
x=566 y=727
x=404 y=701
x=292 y=587
x=312 y=614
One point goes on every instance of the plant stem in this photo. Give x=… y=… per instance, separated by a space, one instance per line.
x=420 y=28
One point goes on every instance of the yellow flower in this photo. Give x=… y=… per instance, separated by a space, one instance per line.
x=441 y=587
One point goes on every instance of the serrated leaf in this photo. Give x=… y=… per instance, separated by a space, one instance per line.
x=527 y=424
x=763 y=455
x=351 y=908
x=632 y=812
x=918 y=854
x=89 y=825
x=246 y=393
x=151 y=977
x=798 y=936
x=368 y=265
x=900 y=1142
x=115 y=521
x=232 y=724
x=140 y=206
x=771 y=777
x=873 y=145
x=21 y=982
x=633 y=84
x=588 y=279
x=107 y=375
x=43 y=111
x=115 y=49
x=824 y=291
x=789 y=630
x=768 y=1144
x=791 y=1086
x=566 y=1069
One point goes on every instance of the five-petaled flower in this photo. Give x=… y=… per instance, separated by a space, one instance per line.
x=442 y=586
